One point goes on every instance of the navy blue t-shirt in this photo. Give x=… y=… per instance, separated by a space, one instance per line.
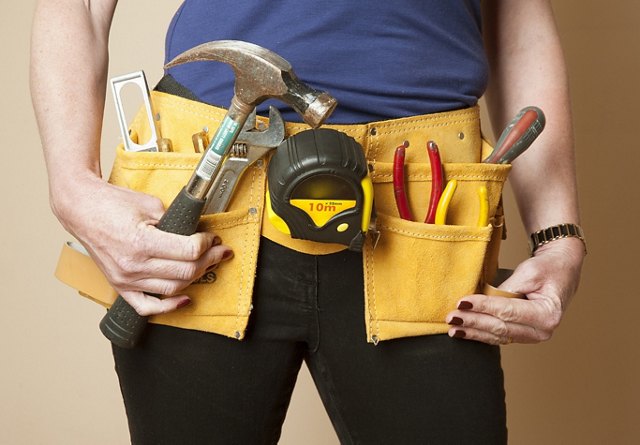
x=380 y=59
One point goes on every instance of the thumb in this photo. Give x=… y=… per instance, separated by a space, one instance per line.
x=521 y=280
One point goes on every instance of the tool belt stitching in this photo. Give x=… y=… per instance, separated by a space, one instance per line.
x=347 y=129
x=434 y=237
x=500 y=179
x=371 y=151
x=135 y=165
x=421 y=126
x=411 y=321
x=232 y=223
x=441 y=116
x=373 y=319
x=243 y=273
x=476 y=177
x=246 y=219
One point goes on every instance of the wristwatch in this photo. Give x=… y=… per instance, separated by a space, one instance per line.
x=553 y=233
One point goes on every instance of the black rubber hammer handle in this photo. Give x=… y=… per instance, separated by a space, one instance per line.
x=122 y=325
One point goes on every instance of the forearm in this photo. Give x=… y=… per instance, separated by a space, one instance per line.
x=69 y=59
x=527 y=68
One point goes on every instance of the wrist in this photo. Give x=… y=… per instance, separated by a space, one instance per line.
x=555 y=233
x=68 y=192
x=572 y=247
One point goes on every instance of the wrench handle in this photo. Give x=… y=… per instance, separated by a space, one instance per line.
x=122 y=325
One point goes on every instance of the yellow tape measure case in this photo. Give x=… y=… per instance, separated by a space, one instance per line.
x=320 y=189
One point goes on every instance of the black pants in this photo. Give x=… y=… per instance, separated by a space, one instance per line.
x=188 y=387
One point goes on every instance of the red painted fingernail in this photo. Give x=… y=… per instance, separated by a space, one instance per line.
x=217 y=241
x=184 y=303
x=465 y=305
x=456 y=321
x=228 y=254
x=459 y=334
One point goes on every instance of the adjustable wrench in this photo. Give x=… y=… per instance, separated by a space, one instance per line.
x=250 y=146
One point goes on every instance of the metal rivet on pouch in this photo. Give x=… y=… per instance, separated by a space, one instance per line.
x=373 y=131
x=374 y=339
x=461 y=135
x=205 y=129
x=259 y=163
x=158 y=116
x=253 y=210
x=237 y=334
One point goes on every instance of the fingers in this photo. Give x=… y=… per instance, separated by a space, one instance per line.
x=499 y=320
x=169 y=278
x=146 y=305
x=187 y=270
x=165 y=276
x=491 y=330
x=116 y=227
x=158 y=244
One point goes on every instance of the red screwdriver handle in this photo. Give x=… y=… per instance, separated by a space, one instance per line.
x=517 y=136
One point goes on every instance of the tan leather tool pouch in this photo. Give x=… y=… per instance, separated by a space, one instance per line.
x=221 y=299
x=418 y=272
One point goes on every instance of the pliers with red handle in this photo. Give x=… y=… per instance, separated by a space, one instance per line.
x=437 y=181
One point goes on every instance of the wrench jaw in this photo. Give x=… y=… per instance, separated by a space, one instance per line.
x=271 y=137
x=250 y=146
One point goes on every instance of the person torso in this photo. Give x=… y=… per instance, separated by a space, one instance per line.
x=381 y=59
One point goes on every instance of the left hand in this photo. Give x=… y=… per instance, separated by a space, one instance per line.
x=549 y=280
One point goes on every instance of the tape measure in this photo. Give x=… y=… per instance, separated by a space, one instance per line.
x=320 y=188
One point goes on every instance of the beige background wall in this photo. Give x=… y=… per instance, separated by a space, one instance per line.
x=56 y=380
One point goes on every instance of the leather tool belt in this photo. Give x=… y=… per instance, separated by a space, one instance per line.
x=435 y=264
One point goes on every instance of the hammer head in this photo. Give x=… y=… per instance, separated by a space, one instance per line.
x=262 y=74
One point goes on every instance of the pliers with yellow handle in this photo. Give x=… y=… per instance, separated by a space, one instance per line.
x=445 y=201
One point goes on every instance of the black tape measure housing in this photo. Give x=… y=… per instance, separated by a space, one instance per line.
x=319 y=188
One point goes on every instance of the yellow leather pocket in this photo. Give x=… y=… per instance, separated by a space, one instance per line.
x=221 y=299
x=417 y=272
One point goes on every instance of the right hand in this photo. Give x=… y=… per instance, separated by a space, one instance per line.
x=117 y=226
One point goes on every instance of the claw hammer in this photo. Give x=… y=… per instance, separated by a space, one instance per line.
x=259 y=74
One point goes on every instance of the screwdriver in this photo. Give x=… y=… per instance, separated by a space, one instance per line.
x=517 y=136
